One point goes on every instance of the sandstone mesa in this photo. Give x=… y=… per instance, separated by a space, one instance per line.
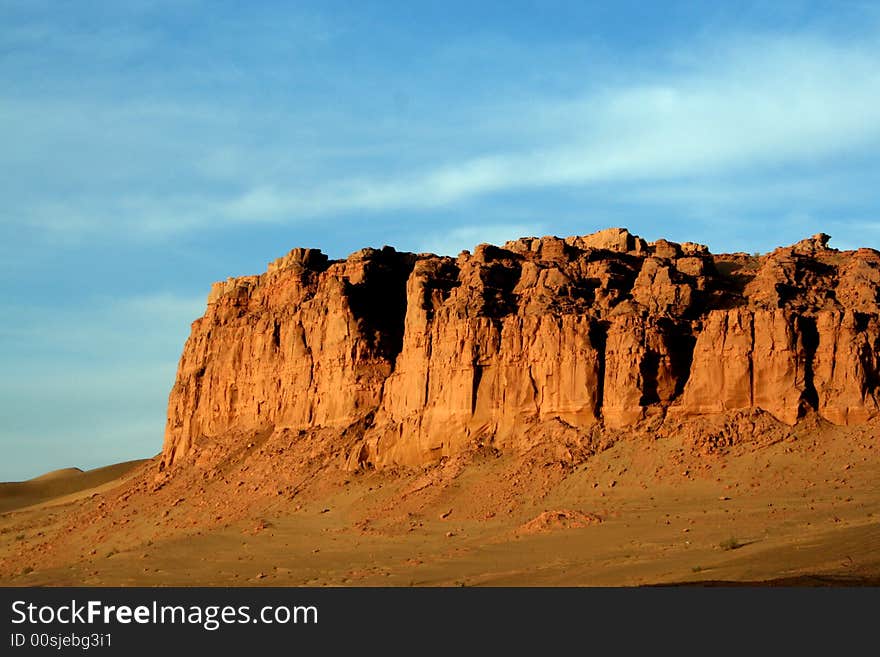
x=412 y=357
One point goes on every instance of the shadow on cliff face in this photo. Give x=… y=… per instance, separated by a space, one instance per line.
x=499 y=275
x=734 y=273
x=810 y=340
x=379 y=301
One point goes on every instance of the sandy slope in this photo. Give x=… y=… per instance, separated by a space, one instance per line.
x=58 y=484
x=801 y=510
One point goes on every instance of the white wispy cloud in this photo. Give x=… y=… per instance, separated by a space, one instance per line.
x=758 y=103
x=747 y=104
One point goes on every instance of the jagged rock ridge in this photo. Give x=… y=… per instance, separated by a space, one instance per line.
x=421 y=355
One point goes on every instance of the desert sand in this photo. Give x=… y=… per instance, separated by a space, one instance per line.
x=804 y=510
x=61 y=486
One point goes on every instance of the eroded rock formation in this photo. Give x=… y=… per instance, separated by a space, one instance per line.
x=426 y=355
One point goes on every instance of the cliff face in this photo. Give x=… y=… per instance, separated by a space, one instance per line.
x=426 y=355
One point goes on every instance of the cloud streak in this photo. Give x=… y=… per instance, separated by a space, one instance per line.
x=750 y=104
x=765 y=103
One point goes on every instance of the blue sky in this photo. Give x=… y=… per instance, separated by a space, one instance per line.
x=149 y=148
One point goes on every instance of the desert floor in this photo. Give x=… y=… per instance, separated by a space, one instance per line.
x=804 y=510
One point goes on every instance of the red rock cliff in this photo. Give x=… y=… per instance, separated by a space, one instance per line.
x=426 y=355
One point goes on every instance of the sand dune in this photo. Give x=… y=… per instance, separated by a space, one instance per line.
x=59 y=483
x=63 y=473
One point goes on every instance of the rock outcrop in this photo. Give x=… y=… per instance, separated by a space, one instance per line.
x=425 y=355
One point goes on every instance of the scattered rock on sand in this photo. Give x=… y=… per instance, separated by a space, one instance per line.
x=562 y=519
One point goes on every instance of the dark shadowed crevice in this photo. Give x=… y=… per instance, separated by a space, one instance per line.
x=680 y=342
x=649 y=368
x=438 y=285
x=379 y=301
x=276 y=335
x=598 y=338
x=475 y=386
x=682 y=354
x=810 y=341
x=870 y=352
x=751 y=359
x=499 y=281
x=198 y=378
x=534 y=386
